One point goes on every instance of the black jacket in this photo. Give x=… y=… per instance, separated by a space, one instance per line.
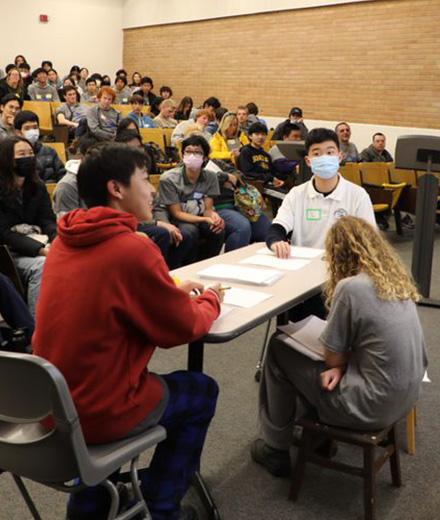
x=50 y=168
x=150 y=99
x=278 y=134
x=35 y=209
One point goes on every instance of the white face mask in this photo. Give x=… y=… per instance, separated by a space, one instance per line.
x=32 y=135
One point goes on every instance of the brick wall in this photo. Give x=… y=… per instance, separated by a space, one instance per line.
x=375 y=62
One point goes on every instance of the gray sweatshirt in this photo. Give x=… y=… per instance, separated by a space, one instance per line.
x=47 y=93
x=103 y=123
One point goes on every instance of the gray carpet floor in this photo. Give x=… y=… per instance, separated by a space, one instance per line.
x=242 y=489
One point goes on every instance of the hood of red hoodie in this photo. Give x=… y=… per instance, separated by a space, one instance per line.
x=86 y=227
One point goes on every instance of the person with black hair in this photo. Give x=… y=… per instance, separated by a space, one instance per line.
x=49 y=166
x=46 y=65
x=377 y=151
x=71 y=113
x=165 y=92
x=135 y=84
x=211 y=104
x=13 y=84
x=187 y=192
x=310 y=209
x=27 y=222
x=254 y=162
x=19 y=60
x=184 y=109
x=141 y=119
x=295 y=117
x=119 y=279
x=53 y=79
x=90 y=94
x=122 y=91
x=10 y=106
x=283 y=166
x=41 y=90
x=147 y=94
x=25 y=72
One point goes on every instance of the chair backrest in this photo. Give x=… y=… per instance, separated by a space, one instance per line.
x=374 y=173
x=268 y=142
x=60 y=150
x=51 y=187
x=167 y=134
x=154 y=135
x=351 y=172
x=397 y=175
x=40 y=433
x=155 y=181
x=43 y=111
x=124 y=109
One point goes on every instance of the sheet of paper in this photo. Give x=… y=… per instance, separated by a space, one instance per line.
x=296 y=252
x=304 y=336
x=296 y=345
x=237 y=273
x=224 y=311
x=244 y=297
x=289 y=264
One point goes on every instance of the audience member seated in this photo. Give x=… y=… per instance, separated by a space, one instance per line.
x=310 y=209
x=106 y=81
x=214 y=124
x=184 y=109
x=211 y=104
x=146 y=92
x=27 y=222
x=49 y=166
x=283 y=166
x=253 y=114
x=165 y=92
x=254 y=162
x=26 y=76
x=90 y=94
x=376 y=152
x=71 y=113
x=67 y=82
x=228 y=140
x=242 y=116
x=295 y=117
x=374 y=350
x=118 y=276
x=122 y=91
x=239 y=230
x=201 y=122
x=15 y=315
x=40 y=90
x=46 y=65
x=66 y=197
x=187 y=192
x=10 y=105
x=19 y=59
x=83 y=74
x=135 y=81
x=53 y=79
x=165 y=119
x=142 y=120
x=348 y=150
x=13 y=84
x=126 y=123
x=103 y=119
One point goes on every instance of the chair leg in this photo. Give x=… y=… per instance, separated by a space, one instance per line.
x=369 y=483
x=260 y=364
x=137 y=489
x=304 y=450
x=27 y=498
x=114 y=495
x=398 y=221
x=396 y=475
x=411 y=421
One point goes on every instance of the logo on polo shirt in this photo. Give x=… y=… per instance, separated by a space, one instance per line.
x=341 y=212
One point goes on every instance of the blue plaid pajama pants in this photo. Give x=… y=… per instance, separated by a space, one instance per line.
x=190 y=408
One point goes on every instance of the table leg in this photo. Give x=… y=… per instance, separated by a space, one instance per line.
x=195 y=364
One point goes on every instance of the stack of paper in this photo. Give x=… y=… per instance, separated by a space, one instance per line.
x=289 y=264
x=303 y=336
x=237 y=273
x=296 y=252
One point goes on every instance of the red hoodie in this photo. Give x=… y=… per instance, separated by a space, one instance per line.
x=106 y=302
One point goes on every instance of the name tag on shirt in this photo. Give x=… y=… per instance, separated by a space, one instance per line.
x=48 y=96
x=39 y=96
x=313 y=214
x=197 y=195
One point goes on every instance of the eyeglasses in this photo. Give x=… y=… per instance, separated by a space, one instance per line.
x=197 y=154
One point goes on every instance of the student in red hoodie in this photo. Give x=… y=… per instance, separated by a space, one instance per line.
x=107 y=300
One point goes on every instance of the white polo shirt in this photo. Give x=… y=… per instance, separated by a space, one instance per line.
x=309 y=215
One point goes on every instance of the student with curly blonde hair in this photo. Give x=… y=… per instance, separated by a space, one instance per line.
x=374 y=350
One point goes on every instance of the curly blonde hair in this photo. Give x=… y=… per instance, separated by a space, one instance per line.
x=354 y=246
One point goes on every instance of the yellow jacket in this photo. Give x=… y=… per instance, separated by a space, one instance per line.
x=219 y=147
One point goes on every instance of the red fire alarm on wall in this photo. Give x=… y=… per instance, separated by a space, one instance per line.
x=44 y=18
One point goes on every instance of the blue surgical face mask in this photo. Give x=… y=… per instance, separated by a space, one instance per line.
x=325 y=166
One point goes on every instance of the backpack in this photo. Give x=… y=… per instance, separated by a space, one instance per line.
x=249 y=202
x=155 y=155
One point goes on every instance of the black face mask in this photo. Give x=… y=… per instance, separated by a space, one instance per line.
x=25 y=166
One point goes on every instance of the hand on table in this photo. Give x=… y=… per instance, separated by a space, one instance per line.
x=281 y=249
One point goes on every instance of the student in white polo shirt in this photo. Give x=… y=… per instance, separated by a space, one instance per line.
x=309 y=210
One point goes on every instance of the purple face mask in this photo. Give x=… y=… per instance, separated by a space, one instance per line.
x=192 y=161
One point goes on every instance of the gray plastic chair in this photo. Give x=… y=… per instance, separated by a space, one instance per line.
x=32 y=389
